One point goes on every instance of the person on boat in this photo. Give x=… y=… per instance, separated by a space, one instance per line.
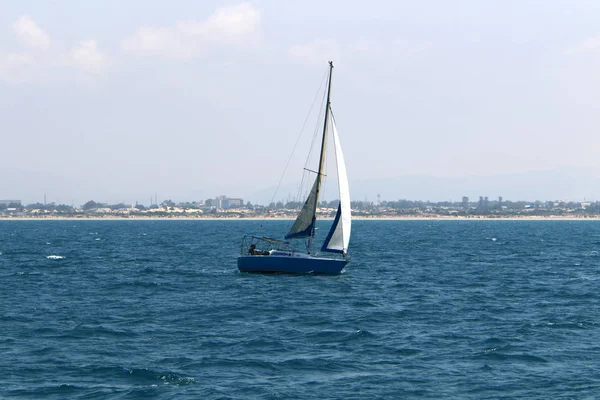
x=254 y=252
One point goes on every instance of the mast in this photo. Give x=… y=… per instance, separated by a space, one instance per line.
x=323 y=153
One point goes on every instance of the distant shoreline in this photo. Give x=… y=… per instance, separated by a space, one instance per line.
x=358 y=218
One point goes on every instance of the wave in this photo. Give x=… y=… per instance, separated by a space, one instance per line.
x=104 y=381
x=337 y=336
x=62 y=391
x=494 y=354
x=54 y=257
x=99 y=331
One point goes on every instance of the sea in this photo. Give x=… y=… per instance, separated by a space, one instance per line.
x=426 y=309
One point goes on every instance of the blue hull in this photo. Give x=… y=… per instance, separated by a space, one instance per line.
x=290 y=265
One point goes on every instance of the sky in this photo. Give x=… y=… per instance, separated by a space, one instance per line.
x=118 y=101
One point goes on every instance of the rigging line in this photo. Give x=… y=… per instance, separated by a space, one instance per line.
x=298 y=138
x=306 y=173
x=316 y=136
x=331 y=113
x=317 y=133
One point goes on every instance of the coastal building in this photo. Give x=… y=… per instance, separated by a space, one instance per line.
x=233 y=202
x=227 y=202
x=465 y=202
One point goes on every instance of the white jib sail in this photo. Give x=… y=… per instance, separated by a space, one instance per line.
x=341 y=236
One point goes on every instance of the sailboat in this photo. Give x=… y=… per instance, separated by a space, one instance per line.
x=332 y=256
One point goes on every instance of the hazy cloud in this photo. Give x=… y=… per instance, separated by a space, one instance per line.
x=16 y=67
x=86 y=57
x=29 y=34
x=31 y=65
x=589 y=45
x=234 y=25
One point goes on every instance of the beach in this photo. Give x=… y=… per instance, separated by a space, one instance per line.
x=262 y=218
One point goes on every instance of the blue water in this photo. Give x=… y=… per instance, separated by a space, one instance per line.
x=426 y=309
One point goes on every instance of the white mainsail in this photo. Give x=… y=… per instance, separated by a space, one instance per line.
x=339 y=235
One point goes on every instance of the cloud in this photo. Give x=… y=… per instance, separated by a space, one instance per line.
x=227 y=26
x=159 y=42
x=589 y=45
x=38 y=59
x=231 y=22
x=86 y=57
x=29 y=34
x=16 y=67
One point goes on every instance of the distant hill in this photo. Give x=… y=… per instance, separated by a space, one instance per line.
x=572 y=184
